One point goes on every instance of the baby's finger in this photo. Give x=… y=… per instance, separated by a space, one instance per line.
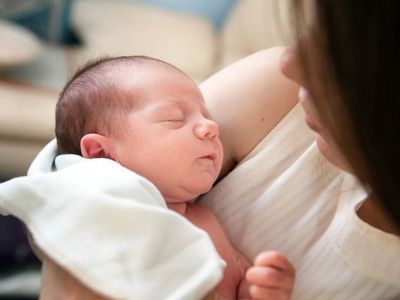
x=269 y=277
x=276 y=260
x=257 y=292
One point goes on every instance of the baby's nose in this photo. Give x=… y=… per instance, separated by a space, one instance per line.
x=207 y=129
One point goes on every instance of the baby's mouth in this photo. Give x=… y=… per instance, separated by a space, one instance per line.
x=212 y=156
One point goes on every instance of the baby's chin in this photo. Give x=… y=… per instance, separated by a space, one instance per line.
x=202 y=191
x=202 y=184
x=188 y=193
x=206 y=188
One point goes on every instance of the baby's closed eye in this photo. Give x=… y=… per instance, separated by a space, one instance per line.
x=172 y=116
x=172 y=121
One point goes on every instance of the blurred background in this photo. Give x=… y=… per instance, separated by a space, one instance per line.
x=44 y=41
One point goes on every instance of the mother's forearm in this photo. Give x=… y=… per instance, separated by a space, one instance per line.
x=59 y=284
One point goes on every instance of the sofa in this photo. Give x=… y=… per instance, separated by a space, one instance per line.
x=200 y=41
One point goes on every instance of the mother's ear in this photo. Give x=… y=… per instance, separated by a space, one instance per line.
x=95 y=145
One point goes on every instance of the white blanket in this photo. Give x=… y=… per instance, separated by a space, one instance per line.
x=111 y=229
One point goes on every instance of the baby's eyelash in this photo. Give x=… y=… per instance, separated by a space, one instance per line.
x=207 y=115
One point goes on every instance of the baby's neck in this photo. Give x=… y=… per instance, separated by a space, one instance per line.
x=179 y=207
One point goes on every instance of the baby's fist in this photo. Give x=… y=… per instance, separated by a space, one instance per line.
x=271 y=277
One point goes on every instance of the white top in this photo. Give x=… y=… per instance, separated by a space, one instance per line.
x=285 y=196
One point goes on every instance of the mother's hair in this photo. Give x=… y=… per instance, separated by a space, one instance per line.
x=351 y=58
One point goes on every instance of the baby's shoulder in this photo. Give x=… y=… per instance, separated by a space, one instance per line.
x=199 y=212
x=205 y=219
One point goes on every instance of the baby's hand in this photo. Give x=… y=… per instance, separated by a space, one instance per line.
x=271 y=277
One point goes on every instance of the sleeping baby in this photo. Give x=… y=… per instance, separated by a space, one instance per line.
x=151 y=118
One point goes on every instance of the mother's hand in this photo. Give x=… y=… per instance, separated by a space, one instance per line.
x=59 y=284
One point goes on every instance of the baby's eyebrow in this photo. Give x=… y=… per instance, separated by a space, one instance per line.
x=168 y=104
x=181 y=105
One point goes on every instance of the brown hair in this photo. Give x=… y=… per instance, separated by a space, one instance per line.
x=351 y=58
x=91 y=101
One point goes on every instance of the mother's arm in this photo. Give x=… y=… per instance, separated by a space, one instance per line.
x=59 y=284
x=247 y=99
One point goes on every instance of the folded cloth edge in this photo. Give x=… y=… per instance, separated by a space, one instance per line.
x=13 y=201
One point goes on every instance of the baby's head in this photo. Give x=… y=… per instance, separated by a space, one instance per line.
x=146 y=115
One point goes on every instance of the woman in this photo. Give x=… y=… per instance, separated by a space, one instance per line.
x=341 y=235
x=342 y=238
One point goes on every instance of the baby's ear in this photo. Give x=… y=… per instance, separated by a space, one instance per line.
x=95 y=145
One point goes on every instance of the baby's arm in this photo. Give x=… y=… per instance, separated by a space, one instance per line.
x=271 y=277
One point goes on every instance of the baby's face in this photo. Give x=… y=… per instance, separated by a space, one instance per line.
x=169 y=137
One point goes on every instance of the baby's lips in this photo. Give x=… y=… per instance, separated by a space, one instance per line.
x=213 y=156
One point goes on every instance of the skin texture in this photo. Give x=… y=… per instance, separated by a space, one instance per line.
x=254 y=90
x=59 y=284
x=170 y=129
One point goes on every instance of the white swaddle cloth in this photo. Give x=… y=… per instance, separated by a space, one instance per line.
x=111 y=229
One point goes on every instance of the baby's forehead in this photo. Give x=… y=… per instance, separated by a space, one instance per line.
x=138 y=76
x=143 y=68
x=150 y=78
x=156 y=82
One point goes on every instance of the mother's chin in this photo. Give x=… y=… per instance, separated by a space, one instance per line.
x=332 y=154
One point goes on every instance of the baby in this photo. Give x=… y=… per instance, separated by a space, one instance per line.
x=151 y=118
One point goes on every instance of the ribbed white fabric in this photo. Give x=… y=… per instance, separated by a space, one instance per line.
x=285 y=196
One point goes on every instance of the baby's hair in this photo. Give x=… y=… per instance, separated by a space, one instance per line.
x=92 y=102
